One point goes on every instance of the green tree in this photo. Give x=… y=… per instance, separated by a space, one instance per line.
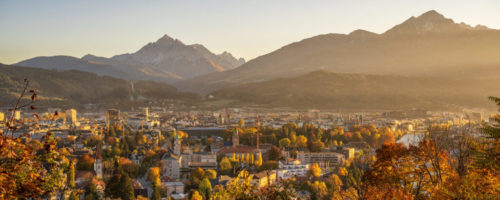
x=120 y=186
x=205 y=188
x=91 y=192
x=487 y=154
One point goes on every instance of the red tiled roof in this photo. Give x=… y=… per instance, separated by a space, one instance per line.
x=239 y=149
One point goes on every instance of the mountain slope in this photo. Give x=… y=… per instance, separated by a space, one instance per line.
x=172 y=55
x=428 y=45
x=166 y=60
x=321 y=89
x=72 y=87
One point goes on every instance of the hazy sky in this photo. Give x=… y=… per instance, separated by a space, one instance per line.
x=247 y=28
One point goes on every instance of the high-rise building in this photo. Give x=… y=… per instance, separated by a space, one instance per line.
x=17 y=115
x=146 y=113
x=98 y=162
x=71 y=116
x=112 y=117
x=236 y=138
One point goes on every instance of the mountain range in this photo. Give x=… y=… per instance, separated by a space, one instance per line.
x=166 y=60
x=427 y=45
x=329 y=90
x=75 y=88
x=428 y=61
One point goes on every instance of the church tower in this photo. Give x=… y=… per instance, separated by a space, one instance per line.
x=177 y=145
x=98 y=162
x=236 y=138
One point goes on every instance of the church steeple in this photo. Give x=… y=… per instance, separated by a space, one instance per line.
x=177 y=145
x=98 y=162
x=236 y=138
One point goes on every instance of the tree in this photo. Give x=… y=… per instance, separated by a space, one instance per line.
x=71 y=175
x=247 y=159
x=205 y=188
x=314 y=170
x=401 y=171
x=153 y=175
x=196 y=177
x=319 y=190
x=85 y=163
x=225 y=165
x=73 y=196
x=301 y=141
x=487 y=154
x=156 y=192
x=275 y=153
x=120 y=186
x=259 y=160
x=196 y=196
x=284 y=143
x=335 y=186
x=241 y=123
x=91 y=192
x=210 y=174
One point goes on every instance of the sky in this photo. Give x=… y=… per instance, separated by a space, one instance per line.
x=244 y=28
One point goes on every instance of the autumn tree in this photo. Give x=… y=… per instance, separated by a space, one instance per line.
x=314 y=170
x=400 y=171
x=225 y=165
x=205 y=188
x=258 y=163
x=284 y=143
x=196 y=196
x=301 y=141
x=153 y=175
x=210 y=174
x=71 y=175
x=196 y=177
x=275 y=153
x=85 y=163
x=319 y=190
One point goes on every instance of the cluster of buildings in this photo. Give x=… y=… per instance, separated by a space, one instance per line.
x=180 y=159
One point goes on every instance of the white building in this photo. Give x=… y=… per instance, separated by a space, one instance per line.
x=292 y=169
x=324 y=159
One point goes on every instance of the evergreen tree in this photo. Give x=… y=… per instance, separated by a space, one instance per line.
x=156 y=193
x=91 y=192
x=120 y=186
x=487 y=154
x=71 y=175
x=259 y=160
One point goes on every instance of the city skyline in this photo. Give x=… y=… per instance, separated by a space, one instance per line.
x=46 y=29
